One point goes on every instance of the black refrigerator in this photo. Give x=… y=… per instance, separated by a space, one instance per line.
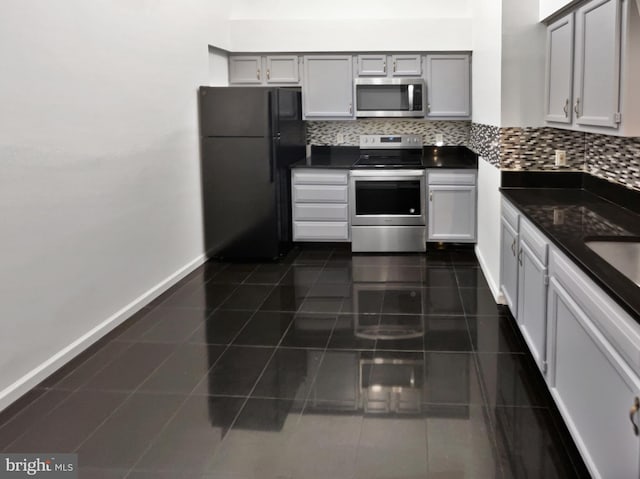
x=249 y=137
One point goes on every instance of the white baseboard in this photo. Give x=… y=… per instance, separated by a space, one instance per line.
x=42 y=371
x=493 y=284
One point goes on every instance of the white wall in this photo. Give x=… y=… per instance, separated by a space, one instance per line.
x=218 y=67
x=549 y=7
x=487 y=101
x=488 y=244
x=321 y=35
x=99 y=177
x=336 y=25
x=523 y=64
x=353 y=9
x=487 y=64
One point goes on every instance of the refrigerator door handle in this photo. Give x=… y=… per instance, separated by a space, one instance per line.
x=272 y=157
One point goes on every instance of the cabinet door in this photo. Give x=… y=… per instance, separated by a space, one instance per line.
x=593 y=387
x=597 y=85
x=559 y=71
x=448 y=85
x=532 y=302
x=509 y=266
x=452 y=213
x=328 y=87
x=282 y=69
x=406 y=65
x=245 y=69
x=372 y=65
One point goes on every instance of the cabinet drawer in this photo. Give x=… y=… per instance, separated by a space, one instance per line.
x=320 y=212
x=319 y=194
x=510 y=215
x=314 y=177
x=535 y=240
x=320 y=231
x=452 y=177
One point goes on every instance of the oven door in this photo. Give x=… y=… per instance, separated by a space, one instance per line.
x=387 y=198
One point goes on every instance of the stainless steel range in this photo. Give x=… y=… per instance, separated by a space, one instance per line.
x=387 y=195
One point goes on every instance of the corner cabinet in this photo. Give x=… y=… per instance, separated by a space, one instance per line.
x=451 y=199
x=448 y=85
x=593 y=67
x=328 y=87
x=320 y=204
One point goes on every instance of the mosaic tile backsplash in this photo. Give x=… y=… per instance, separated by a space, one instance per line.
x=613 y=158
x=485 y=141
x=324 y=132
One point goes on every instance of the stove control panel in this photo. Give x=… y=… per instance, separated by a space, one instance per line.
x=390 y=141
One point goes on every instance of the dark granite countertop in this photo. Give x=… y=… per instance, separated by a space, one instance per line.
x=568 y=217
x=344 y=157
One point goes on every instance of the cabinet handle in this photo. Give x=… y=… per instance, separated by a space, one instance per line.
x=384 y=67
x=268 y=74
x=576 y=107
x=394 y=66
x=633 y=412
x=566 y=108
x=431 y=196
x=513 y=247
x=428 y=107
x=350 y=108
x=520 y=257
x=258 y=74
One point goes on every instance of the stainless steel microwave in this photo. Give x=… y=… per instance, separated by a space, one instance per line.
x=390 y=97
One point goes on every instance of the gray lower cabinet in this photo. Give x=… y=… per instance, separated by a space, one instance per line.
x=532 y=291
x=448 y=85
x=595 y=387
x=328 y=87
x=320 y=208
x=509 y=248
x=451 y=206
x=587 y=346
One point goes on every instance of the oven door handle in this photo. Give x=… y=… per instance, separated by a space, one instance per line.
x=390 y=174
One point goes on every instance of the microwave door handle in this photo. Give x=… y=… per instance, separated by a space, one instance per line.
x=410 y=91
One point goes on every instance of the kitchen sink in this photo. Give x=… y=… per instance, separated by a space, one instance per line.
x=622 y=254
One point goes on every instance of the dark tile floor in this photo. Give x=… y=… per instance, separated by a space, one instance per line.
x=323 y=366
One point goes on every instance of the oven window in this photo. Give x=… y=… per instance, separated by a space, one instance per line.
x=382 y=97
x=388 y=198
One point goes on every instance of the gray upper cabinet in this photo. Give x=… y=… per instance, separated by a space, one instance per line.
x=328 y=87
x=372 y=65
x=448 y=85
x=596 y=96
x=282 y=69
x=559 y=71
x=593 y=61
x=257 y=70
x=245 y=70
x=406 y=65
